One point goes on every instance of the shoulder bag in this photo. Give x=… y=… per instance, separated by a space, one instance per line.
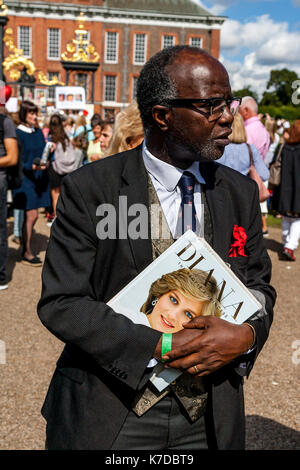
x=275 y=170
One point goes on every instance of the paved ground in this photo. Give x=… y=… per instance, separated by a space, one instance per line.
x=271 y=393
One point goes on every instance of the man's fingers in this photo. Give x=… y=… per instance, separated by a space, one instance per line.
x=198 y=322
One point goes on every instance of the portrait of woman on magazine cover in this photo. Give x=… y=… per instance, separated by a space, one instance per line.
x=180 y=296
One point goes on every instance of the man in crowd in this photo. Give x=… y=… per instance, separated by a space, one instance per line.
x=185 y=102
x=256 y=132
x=8 y=157
x=257 y=135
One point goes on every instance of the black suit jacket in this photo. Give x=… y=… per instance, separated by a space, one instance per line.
x=105 y=357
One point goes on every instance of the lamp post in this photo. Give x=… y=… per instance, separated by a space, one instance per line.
x=3 y=21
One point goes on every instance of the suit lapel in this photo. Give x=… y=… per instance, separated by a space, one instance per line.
x=219 y=205
x=135 y=189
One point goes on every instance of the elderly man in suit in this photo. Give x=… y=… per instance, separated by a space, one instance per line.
x=99 y=396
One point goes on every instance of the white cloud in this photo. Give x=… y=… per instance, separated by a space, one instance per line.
x=235 y=35
x=215 y=7
x=269 y=45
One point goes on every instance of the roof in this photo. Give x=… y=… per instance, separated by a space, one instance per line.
x=174 y=8
x=184 y=7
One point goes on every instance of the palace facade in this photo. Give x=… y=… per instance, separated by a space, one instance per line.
x=124 y=33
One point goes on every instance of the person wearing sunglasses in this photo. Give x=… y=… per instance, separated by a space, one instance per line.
x=186 y=106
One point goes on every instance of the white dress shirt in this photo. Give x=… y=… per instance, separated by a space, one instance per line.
x=165 y=178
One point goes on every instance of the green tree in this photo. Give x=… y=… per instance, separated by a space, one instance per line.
x=281 y=82
x=247 y=91
x=270 y=98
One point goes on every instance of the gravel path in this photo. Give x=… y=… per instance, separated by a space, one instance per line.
x=28 y=359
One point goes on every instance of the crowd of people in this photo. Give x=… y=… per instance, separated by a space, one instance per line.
x=48 y=150
x=73 y=142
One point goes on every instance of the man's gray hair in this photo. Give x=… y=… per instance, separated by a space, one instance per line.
x=250 y=102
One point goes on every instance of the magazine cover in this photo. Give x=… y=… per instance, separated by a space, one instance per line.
x=189 y=270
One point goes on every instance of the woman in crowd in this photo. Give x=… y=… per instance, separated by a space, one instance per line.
x=236 y=154
x=80 y=125
x=69 y=126
x=128 y=130
x=289 y=191
x=34 y=191
x=94 y=151
x=106 y=135
x=271 y=126
x=61 y=141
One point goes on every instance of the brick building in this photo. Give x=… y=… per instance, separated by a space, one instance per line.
x=125 y=33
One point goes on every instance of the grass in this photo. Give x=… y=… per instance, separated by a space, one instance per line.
x=273 y=221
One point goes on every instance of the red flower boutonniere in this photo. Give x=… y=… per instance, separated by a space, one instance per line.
x=238 y=246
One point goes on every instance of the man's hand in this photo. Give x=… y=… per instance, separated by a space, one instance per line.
x=39 y=167
x=208 y=343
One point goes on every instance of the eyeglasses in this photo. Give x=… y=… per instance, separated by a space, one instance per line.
x=212 y=108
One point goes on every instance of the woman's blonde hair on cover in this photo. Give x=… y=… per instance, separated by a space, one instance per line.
x=192 y=283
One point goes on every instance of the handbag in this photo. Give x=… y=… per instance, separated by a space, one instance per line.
x=275 y=170
x=263 y=191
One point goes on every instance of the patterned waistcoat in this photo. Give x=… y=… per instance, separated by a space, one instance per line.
x=190 y=391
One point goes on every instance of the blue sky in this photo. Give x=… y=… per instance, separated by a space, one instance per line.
x=258 y=36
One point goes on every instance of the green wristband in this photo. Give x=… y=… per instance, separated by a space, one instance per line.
x=166 y=344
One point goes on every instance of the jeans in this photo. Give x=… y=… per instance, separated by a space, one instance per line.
x=290 y=232
x=3 y=227
x=18 y=222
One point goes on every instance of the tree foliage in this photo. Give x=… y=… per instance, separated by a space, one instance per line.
x=247 y=91
x=281 y=83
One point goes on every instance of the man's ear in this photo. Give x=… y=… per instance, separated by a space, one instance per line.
x=161 y=115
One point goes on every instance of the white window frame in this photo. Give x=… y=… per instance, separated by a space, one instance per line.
x=28 y=56
x=167 y=36
x=50 y=89
x=48 y=44
x=198 y=38
x=88 y=38
x=105 y=88
x=135 y=62
x=116 y=60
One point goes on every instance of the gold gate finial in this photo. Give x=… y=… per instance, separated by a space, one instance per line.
x=3 y=8
x=80 y=49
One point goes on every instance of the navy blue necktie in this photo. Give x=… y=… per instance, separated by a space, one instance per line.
x=188 y=211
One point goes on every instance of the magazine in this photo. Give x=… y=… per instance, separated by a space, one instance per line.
x=190 y=254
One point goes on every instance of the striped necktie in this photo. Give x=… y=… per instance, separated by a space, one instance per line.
x=187 y=216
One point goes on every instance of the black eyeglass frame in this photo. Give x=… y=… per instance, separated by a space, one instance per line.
x=188 y=102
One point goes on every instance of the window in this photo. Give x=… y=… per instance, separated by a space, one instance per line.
x=111 y=47
x=53 y=43
x=51 y=89
x=167 y=41
x=140 y=44
x=134 y=85
x=110 y=88
x=196 y=41
x=24 y=40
